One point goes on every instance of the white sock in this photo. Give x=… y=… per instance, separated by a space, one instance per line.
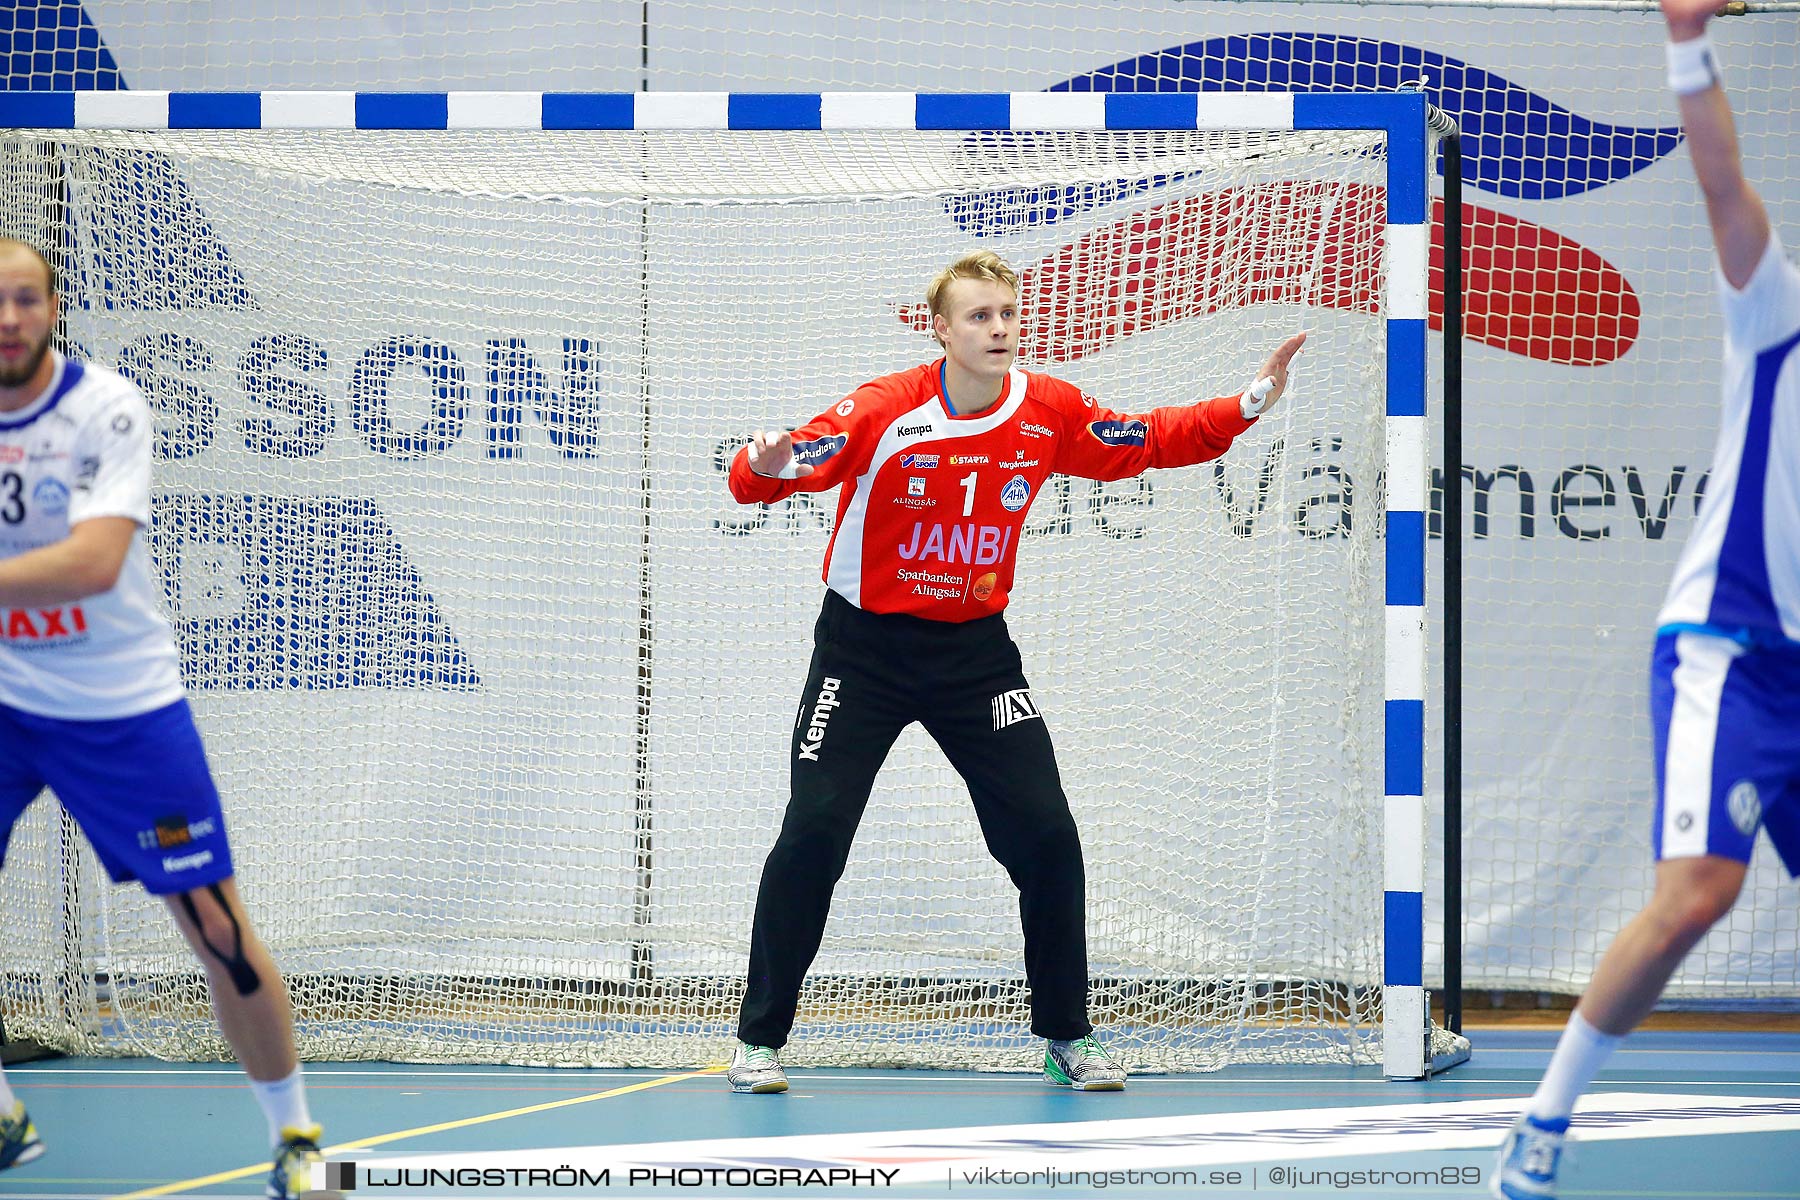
x=7 y=1099
x=284 y=1103
x=1580 y=1054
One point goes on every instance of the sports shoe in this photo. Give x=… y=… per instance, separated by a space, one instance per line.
x=1528 y=1159
x=1083 y=1065
x=18 y=1137
x=756 y=1069
x=294 y=1159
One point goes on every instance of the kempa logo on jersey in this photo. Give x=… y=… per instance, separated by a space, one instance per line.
x=1012 y=707
x=913 y=430
x=821 y=718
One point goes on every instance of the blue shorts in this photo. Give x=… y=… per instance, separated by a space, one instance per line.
x=138 y=786
x=1726 y=718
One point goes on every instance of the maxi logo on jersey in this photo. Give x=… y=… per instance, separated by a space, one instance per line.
x=42 y=625
x=1528 y=289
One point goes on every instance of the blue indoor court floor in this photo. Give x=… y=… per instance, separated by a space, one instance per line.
x=1676 y=1115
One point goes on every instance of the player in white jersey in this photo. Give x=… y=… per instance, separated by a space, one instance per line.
x=91 y=701
x=1725 y=675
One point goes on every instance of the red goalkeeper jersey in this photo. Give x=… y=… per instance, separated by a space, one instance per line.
x=932 y=504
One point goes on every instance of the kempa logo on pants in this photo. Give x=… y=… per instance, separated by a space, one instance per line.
x=821 y=716
x=1012 y=707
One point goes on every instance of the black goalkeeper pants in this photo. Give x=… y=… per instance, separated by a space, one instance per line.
x=872 y=675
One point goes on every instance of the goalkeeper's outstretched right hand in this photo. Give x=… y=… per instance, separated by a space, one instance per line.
x=772 y=456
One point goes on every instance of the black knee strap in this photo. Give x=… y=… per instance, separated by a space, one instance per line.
x=243 y=975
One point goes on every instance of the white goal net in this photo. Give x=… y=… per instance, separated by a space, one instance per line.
x=467 y=614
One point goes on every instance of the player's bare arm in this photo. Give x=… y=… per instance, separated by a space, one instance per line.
x=772 y=456
x=1740 y=224
x=1272 y=378
x=84 y=564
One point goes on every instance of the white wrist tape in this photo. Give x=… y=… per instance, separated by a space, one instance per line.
x=1256 y=398
x=788 y=470
x=1692 y=66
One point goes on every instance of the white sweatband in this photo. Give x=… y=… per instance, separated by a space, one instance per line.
x=1692 y=66
x=1256 y=398
x=788 y=471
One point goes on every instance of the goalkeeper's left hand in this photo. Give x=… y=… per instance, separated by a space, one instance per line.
x=1271 y=381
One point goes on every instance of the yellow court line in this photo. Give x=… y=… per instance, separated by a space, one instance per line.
x=384 y=1138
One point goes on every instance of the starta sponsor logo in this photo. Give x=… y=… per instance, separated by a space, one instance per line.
x=36 y=624
x=821 y=718
x=958 y=543
x=963 y=460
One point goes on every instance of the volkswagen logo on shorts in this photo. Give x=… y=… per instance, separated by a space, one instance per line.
x=1745 y=806
x=1016 y=494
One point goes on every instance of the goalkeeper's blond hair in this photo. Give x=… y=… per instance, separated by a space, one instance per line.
x=979 y=264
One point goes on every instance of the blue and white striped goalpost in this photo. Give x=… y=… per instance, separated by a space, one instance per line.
x=1401 y=117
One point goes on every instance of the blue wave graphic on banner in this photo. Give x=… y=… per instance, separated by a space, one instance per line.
x=138 y=239
x=1515 y=142
x=52 y=46
x=315 y=593
x=145 y=242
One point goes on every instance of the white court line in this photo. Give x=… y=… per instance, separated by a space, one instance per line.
x=902 y=1078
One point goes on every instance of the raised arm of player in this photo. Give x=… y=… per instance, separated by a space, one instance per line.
x=84 y=564
x=813 y=458
x=110 y=503
x=1740 y=223
x=1100 y=444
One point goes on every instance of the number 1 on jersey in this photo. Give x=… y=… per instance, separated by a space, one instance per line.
x=968 y=486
